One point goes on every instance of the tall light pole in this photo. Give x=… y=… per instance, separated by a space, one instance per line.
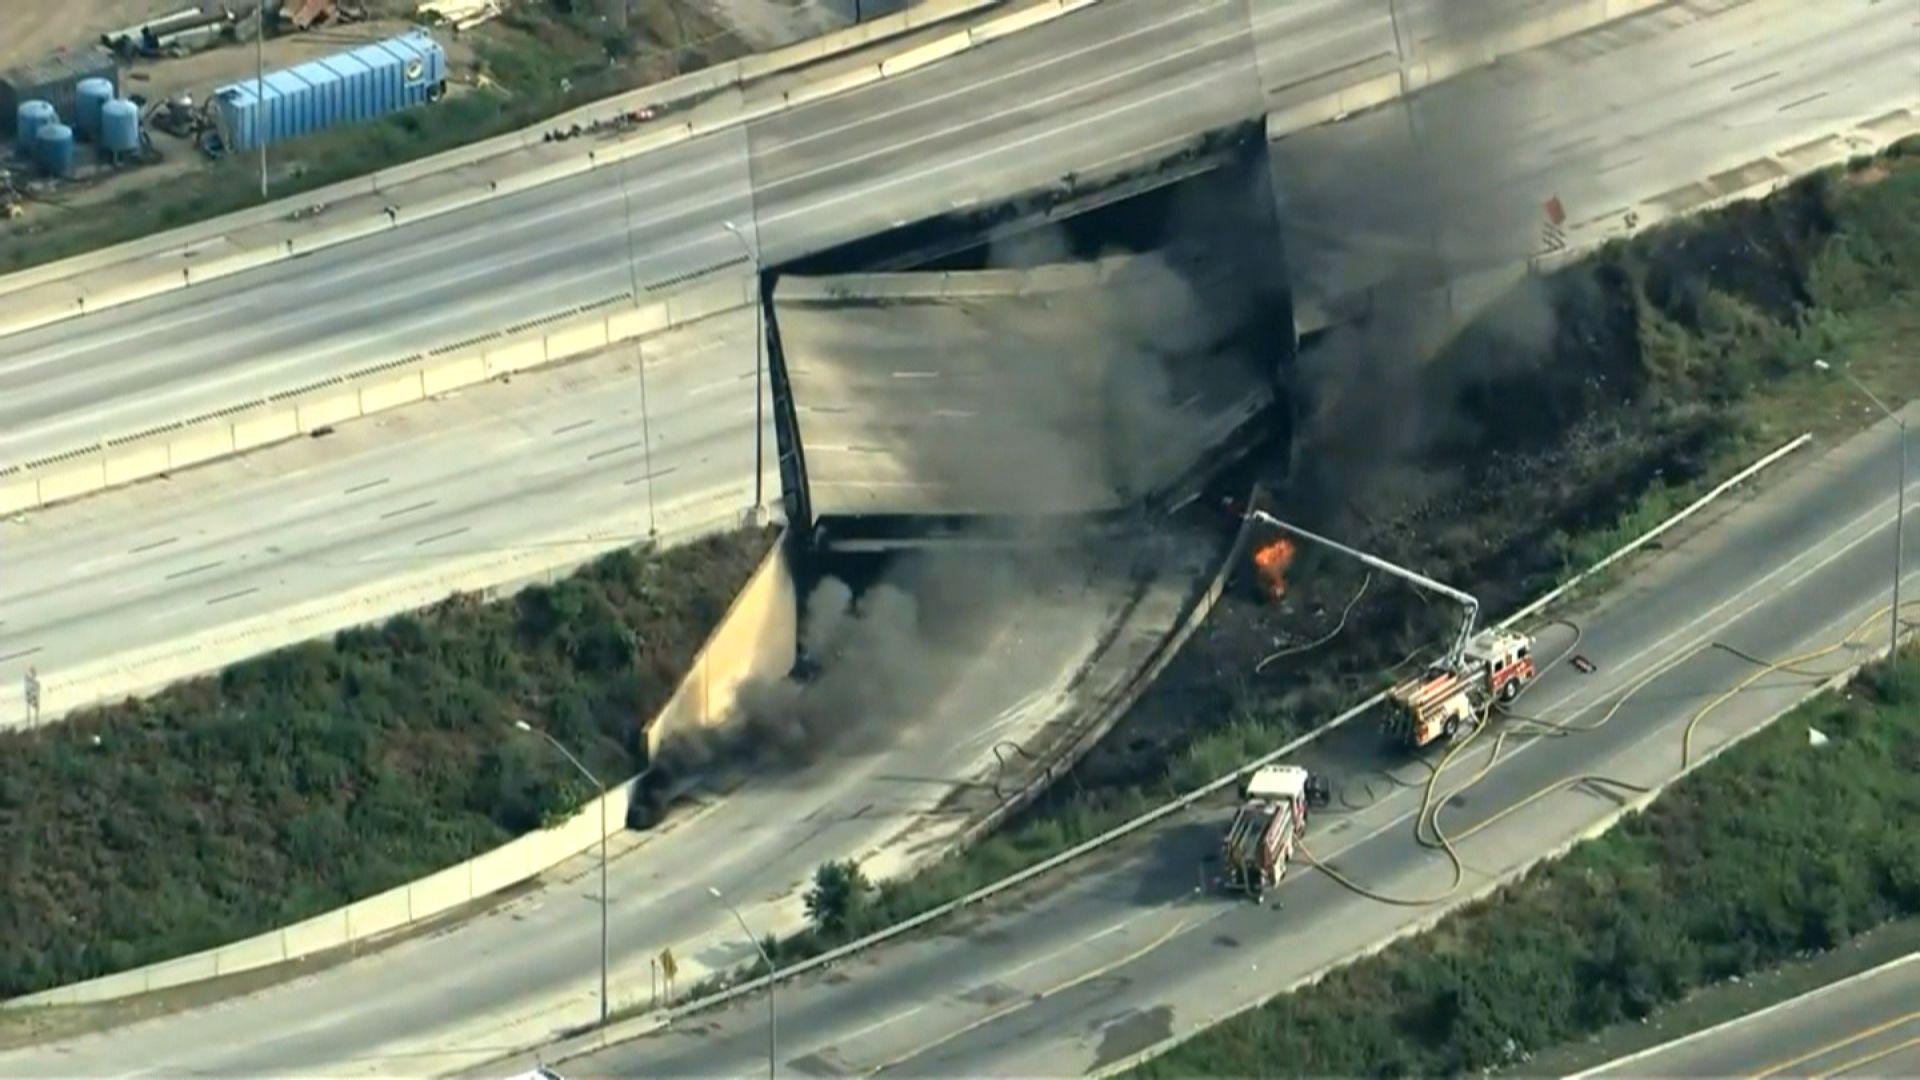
x=759 y=365
x=595 y=781
x=1899 y=513
x=772 y=1038
x=260 y=93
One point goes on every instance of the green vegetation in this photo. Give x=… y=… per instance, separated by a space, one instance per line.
x=1771 y=851
x=326 y=772
x=540 y=59
x=1725 y=1001
x=1678 y=357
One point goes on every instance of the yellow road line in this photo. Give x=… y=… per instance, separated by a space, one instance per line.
x=1780 y=1067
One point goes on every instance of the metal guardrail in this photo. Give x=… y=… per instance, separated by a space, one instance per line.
x=622 y=1031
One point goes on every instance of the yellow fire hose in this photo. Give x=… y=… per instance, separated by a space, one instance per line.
x=1428 y=817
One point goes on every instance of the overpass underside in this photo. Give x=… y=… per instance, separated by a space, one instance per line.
x=1017 y=405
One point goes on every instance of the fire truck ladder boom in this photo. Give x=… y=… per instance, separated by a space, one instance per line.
x=1465 y=599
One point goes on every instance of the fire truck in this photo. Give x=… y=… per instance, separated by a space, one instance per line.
x=1476 y=670
x=1453 y=694
x=1271 y=820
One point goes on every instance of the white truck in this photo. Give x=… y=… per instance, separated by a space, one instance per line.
x=1271 y=820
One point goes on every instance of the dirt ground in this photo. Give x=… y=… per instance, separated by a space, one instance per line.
x=37 y=27
x=197 y=75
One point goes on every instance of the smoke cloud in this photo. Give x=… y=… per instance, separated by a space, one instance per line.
x=1420 y=210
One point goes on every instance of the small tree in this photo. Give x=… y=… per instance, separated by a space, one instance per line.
x=838 y=894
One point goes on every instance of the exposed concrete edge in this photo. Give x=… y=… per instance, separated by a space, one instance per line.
x=230 y=432
x=940 y=285
x=623 y=1031
x=729 y=75
x=543 y=850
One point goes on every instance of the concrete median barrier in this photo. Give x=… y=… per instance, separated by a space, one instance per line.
x=755 y=639
x=1013 y=23
x=834 y=84
x=72 y=476
x=933 y=51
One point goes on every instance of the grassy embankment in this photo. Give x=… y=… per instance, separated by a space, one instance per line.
x=1677 y=358
x=322 y=773
x=534 y=62
x=1774 y=850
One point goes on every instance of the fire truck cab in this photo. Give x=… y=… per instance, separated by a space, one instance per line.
x=1450 y=697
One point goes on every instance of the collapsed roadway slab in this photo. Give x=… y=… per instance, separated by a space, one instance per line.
x=1005 y=401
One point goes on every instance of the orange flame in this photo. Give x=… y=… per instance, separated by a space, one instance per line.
x=1272 y=561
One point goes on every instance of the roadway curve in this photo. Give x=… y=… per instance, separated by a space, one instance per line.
x=1036 y=651
x=1010 y=117
x=1866 y=1025
x=1088 y=967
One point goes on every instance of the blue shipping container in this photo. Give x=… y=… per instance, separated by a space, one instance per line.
x=345 y=88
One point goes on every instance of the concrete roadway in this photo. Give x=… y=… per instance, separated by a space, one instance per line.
x=1605 y=120
x=178 y=576
x=1096 y=964
x=1011 y=116
x=1034 y=651
x=1866 y=1025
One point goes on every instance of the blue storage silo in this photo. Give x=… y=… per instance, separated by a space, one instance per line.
x=53 y=149
x=345 y=88
x=88 y=96
x=28 y=119
x=120 y=127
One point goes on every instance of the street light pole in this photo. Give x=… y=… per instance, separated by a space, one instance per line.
x=260 y=92
x=772 y=1037
x=1899 y=513
x=759 y=366
x=595 y=781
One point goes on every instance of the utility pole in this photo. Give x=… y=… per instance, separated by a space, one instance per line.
x=604 y=898
x=759 y=369
x=1899 y=516
x=773 y=1041
x=260 y=92
x=640 y=355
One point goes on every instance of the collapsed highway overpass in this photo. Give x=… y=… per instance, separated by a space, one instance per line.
x=1007 y=402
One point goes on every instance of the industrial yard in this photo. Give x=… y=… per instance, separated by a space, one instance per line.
x=170 y=60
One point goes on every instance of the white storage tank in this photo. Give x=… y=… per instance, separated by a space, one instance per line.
x=28 y=119
x=89 y=95
x=119 y=127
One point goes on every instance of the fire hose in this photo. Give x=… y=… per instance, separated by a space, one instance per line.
x=1428 y=817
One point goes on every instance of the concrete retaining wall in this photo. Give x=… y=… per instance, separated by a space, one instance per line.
x=288 y=416
x=755 y=639
x=758 y=639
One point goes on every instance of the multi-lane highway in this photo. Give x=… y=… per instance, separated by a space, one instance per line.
x=1011 y=116
x=1145 y=959
x=1866 y=1025
x=1037 y=647
x=1662 y=104
x=178 y=576
x=1087 y=968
